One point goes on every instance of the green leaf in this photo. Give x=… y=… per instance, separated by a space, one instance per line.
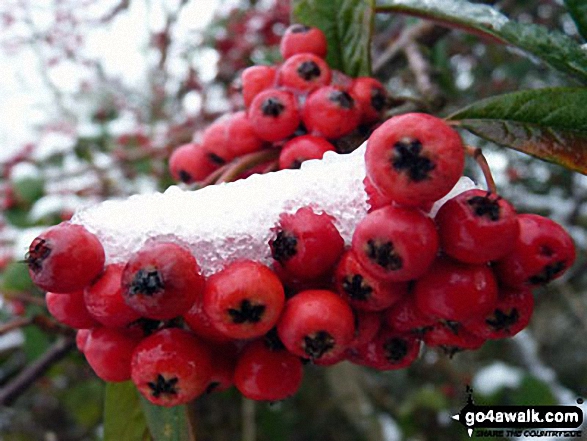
x=123 y=415
x=578 y=11
x=552 y=47
x=16 y=278
x=347 y=25
x=167 y=423
x=550 y=124
x=28 y=190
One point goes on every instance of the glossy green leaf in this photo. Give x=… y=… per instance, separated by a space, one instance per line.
x=552 y=47
x=123 y=415
x=167 y=423
x=347 y=25
x=578 y=11
x=550 y=124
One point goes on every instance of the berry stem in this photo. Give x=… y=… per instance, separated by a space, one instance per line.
x=477 y=155
x=246 y=162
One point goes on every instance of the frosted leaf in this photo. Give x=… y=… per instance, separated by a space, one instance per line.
x=232 y=221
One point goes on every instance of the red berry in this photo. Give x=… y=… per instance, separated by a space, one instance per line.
x=274 y=114
x=216 y=143
x=105 y=302
x=387 y=351
x=255 y=79
x=543 y=252
x=304 y=73
x=299 y=38
x=199 y=322
x=244 y=300
x=361 y=289
x=223 y=363
x=307 y=245
x=511 y=314
x=395 y=243
x=109 y=351
x=367 y=326
x=161 y=281
x=241 y=136
x=330 y=112
x=81 y=338
x=375 y=198
x=191 y=163
x=456 y=291
x=171 y=367
x=302 y=148
x=65 y=258
x=451 y=338
x=70 y=309
x=414 y=158
x=316 y=324
x=371 y=98
x=266 y=373
x=405 y=317
x=469 y=224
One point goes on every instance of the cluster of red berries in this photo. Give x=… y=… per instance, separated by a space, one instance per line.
x=300 y=108
x=451 y=281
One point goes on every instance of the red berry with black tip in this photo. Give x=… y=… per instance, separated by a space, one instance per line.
x=303 y=73
x=104 y=299
x=452 y=337
x=363 y=290
x=109 y=352
x=456 y=291
x=511 y=314
x=414 y=158
x=542 y=253
x=265 y=372
x=367 y=326
x=371 y=97
x=244 y=299
x=306 y=244
x=303 y=148
x=299 y=38
x=316 y=324
x=199 y=322
x=216 y=143
x=469 y=224
x=274 y=114
x=396 y=243
x=389 y=350
x=65 y=258
x=70 y=309
x=255 y=79
x=191 y=163
x=161 y=281
x=331 y=112
x=171 y=367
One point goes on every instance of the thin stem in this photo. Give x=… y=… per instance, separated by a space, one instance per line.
x=477 y=155
x=247 y=162
x=35 y=370
x=15 y=324
x=248 y=416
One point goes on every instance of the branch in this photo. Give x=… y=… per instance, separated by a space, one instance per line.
x=34 y=371
x=420 y=67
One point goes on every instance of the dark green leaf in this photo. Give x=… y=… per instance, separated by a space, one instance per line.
x=578 y=11
x=123 y=414
x=550 y=124
x=15 y=278
x=347 y=25
x=167 y=423
x=28 y=190
x=552 y=47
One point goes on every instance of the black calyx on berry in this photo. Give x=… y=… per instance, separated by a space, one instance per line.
x=147 y=282
x=309 y=70
x=247 y=312
x=272 y=107
x=395 y=349
x=356 y=287
x=384 y=255
x=408 y=158
x=342 y=98
x=163 y=386
x=484 y=206
x=284 y=246
x=318 y=344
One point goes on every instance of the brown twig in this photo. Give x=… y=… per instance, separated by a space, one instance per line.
x=18 y=322
x=246 y=162
x=477 y=155
x=420 y=67
x=35 y=370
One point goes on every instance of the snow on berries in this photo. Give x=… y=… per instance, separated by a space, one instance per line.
x=364 y=257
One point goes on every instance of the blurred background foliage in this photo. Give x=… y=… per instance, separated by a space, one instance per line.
x=105 y=137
